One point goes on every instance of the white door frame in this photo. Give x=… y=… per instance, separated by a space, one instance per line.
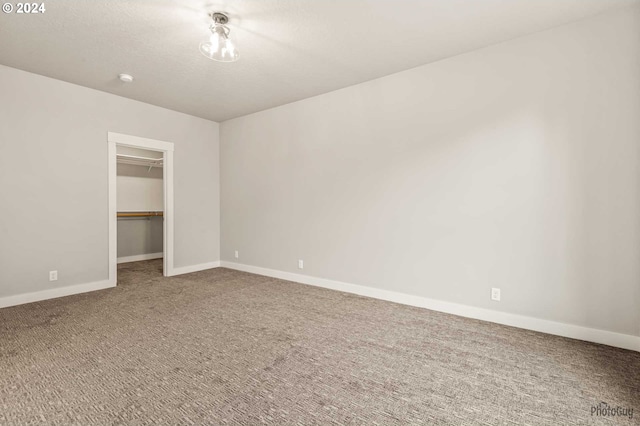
x=115 y=139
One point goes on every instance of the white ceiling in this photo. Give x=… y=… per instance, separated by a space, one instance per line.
x=289 y=49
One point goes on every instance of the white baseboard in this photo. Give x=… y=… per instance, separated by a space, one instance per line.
x=604 y=337
x=140 y=257
x=193 y=268
x=53 y=293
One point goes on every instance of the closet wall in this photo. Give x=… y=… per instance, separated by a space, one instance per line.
x=61 y=223
x=139 y=189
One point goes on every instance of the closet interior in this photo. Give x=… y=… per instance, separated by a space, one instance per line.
x=140 y=204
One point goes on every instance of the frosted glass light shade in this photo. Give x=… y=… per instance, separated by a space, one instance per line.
x=219 y=46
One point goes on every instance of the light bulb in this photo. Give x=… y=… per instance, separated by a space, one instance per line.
x=219 y=46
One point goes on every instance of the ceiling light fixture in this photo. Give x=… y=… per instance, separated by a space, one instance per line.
x=219 y=46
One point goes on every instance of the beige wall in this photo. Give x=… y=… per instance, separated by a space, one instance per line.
x=53 y=180
x=139 y=236
x=516 y=166
x=139 y=189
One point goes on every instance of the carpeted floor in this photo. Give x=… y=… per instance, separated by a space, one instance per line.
x=226 y=347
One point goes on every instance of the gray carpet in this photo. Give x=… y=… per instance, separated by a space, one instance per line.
x=226 y=347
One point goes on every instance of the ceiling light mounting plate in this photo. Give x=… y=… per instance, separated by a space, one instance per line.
x=219 y=17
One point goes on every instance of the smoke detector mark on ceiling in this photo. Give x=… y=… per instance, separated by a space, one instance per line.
x=125 y=78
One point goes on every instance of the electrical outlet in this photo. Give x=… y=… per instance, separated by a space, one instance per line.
x=495 y=294
x=300 y=264
x=53 y=275
x=237 y=254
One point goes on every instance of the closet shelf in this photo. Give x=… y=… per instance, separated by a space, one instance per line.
x=139 y=214
x=139 y=161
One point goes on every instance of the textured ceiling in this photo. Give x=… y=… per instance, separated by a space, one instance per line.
x=289 y=49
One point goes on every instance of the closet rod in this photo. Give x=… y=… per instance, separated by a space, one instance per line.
x=140 y=161
x=139 y=214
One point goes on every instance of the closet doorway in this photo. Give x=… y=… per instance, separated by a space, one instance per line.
x=140 y=201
